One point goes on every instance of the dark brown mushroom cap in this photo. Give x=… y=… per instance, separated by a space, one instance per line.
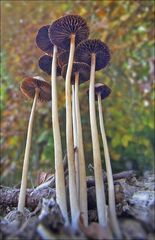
x=29 y=86
x=61 y=30
x=82 y=68
x=63 y=58
x=103 y=90
x=43 y=41
x=85 y=50
x=45 y=63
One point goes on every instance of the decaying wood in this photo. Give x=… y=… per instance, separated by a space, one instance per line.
x=9 y=196
x=135 y=205
x=125 y=174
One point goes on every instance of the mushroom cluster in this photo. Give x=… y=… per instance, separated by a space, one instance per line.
x=69 y=53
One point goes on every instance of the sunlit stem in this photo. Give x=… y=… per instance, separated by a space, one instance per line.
x=100 y=194
x=75 y=144
x=69 y=139
x=22 y=194
x=111 y=193
x=59 y=170
x=82 y=167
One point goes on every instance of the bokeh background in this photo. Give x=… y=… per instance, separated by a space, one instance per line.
x=128 y=29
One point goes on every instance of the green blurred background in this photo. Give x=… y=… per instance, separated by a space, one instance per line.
x=127 y=27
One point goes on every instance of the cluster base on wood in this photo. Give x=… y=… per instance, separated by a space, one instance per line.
x=134 y=202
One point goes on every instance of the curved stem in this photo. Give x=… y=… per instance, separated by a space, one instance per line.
x=69 y=139
x=111 y=193
x=75 y=144
x=60 y=179
x=22 y=194
x=100 y=194
x=82 y=167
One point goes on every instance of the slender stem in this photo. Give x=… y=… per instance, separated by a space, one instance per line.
x=82 y=167
x=111 y=193
x=69 y=139
x=100 y=194
x=60 y=179
x=22 y=194
x=75 y=144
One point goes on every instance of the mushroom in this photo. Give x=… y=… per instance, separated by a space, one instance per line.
x=96 y=54
x=60 y=179
x=49 y=65
x=66 y=32
x=63 y=58
x=37 y=89
x=62 y=61
x=80 y=74
x=45 y=63
x=102 y=91
x=43 y=41
x=75 y=142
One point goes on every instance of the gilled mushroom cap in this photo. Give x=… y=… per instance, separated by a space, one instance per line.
x=61 y=30
x=45 y=63
x=82 y=68
x=43 y=41
x=63 y=58
x=30 y=84
x=85 y=50
x=103 y=90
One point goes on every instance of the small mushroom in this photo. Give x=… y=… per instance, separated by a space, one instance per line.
x=63 y=58
x=102 y=91
x=49 y=65
x=96 y=54
x=37 y=89
x=66 y=32
x=45 y=63
x=80 y=74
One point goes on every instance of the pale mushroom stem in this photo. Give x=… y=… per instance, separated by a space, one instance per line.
x=111 y=193
x=100 y=194
x=69 y=139
x=22 y=194
x=59 y=170
x=82 y=167
x=75 y=144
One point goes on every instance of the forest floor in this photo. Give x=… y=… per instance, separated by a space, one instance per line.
x=135 y=205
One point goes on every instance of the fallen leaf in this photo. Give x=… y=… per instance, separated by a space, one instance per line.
x=43 y=177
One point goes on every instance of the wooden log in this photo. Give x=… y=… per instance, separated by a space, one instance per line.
x=9 y=196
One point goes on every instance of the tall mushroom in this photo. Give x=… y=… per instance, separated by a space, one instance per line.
x=80 y=74
x=49 y=65
x=76 y=158
x=96 y=54
x=40 y=90
x=102 y=91
x=62 y=61
x=66 y=33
